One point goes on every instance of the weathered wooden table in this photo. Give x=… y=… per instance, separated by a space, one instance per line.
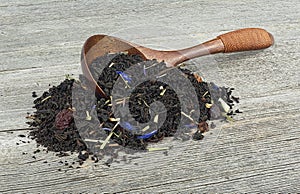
x=260 y=152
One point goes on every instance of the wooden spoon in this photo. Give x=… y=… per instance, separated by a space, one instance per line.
x=240 y=40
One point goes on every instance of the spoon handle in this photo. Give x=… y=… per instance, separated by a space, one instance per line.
x=246 y=39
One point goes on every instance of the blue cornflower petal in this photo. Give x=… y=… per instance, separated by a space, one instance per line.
x=214 y=86
x=147 y=135
x=128 y=126
x=124 y=75
x=190 y=126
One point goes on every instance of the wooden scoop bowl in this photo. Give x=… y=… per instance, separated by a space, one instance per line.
x=240 y=40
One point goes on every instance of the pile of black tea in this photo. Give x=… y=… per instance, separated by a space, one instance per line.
x=145 y=102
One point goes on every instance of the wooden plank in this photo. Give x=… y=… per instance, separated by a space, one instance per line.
x=234 y=164
x=41 y=42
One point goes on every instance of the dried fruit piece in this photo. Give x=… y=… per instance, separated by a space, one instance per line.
x=63 y=119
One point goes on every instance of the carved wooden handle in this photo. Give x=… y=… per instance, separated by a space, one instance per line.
x=246 y=39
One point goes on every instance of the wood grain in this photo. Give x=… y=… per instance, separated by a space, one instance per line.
x=41 y=42
x=246 y=39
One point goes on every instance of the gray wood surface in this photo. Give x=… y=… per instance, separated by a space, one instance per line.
x=260 y=152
